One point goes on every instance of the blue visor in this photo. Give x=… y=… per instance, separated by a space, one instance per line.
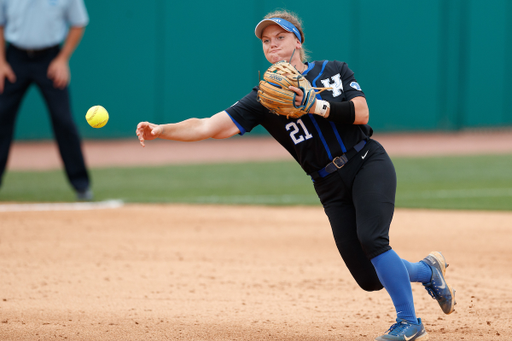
x=285 y=24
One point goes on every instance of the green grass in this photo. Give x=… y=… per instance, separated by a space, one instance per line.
x=468 y=182
x=465 y=182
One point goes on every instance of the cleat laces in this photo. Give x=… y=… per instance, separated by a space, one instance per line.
x=397 y=328
x=431 y=292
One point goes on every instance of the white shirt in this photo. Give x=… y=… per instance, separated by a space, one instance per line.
x=37 y=24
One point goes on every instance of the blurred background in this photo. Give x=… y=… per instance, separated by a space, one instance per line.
x=437 y=65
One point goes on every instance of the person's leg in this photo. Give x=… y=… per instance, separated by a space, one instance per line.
x=418 y=272
x=338 y=207
x=360 y=212
x=374 y=197
x=10 y=101
x=64 y=128
x=343 y=224
x=395 y=278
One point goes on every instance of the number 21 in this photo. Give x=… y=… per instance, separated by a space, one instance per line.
x=295 y=130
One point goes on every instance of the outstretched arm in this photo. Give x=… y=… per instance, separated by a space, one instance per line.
x=219 y=126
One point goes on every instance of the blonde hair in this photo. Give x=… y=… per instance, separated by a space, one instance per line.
x=294 y=19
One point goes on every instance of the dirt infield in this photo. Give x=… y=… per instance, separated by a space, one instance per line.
x=176 y=272
x=194 y=272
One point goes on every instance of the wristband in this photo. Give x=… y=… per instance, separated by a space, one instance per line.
x=322 y=106
x=342 y=112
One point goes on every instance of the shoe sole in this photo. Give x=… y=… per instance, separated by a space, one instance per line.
x=423 y=337
x=442 y=262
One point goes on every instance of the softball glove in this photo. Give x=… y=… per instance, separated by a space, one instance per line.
x=275 y=95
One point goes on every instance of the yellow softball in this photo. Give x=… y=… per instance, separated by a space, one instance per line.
x=97 y=116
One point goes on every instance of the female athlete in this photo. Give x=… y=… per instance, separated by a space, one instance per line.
x=352 y=174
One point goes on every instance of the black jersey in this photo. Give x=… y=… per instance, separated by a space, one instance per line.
x=311 y=139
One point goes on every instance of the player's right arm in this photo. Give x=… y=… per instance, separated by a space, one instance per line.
x=219 y=126
x=58 y=70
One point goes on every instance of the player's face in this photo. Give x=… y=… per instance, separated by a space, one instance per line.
x=278 y=44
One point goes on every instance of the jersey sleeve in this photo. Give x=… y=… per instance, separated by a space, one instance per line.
x=247 y=113
x=76 y=14
x=350 y=85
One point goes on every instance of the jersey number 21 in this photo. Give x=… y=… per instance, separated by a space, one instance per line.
x=295 y=132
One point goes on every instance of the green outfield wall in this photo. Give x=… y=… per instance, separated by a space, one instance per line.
x=424 y=65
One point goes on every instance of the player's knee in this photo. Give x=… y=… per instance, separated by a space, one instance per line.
x=369 y=283
x=373 y=244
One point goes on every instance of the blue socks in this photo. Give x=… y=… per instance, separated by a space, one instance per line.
x=394 y=276
x=418 y=272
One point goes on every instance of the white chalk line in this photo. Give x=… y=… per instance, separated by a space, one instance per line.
x=75 y=206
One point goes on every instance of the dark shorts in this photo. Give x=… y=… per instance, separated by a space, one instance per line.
x=359 y=200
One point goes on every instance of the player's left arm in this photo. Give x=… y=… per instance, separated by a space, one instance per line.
x=359 y=112
x=352 y=111
x=362 y=113
x=58 y=70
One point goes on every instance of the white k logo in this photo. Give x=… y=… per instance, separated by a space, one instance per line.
x=337 y=86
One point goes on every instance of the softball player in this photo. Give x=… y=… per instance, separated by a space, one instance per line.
x=352 y=174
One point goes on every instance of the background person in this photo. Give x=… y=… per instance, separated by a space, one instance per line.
x=34 y=32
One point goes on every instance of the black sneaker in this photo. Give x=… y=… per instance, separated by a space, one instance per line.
x=84 y=195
